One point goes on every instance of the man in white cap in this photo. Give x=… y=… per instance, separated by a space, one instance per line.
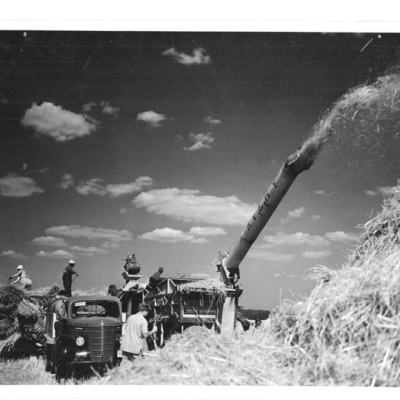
x=67 y=276
x=22 y=281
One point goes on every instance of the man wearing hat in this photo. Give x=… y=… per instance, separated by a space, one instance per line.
x=22 y=281
x=67 y=276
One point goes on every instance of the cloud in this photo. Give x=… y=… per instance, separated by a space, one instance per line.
x=387 y=190
x=340 y=236
x=319 y=192
x=57 y=123
x=294 y=239
x=212 y=121
x=167 y=235
x=88 y=250
x=55 y=254
x=201 y=141
x=262 y=254
x=97 y=187
x=66 y=181
x=209 y=231
x=88 y=107
x=199 y=56
x=152 y=118
x=84 y=232
x=13 y=254
x=370 y=193
x=200 y=241
x=123 y=210
x=50 y=241
x=13 y=185
x=109 y=109
x=199 y=275
x=189 y=205
x=315 y=218
x=316 y=254
x=296 y=213
x=293 y=214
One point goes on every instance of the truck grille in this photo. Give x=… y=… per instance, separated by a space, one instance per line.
x=102 y=342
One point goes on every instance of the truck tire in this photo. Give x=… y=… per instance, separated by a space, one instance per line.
x=49 y=359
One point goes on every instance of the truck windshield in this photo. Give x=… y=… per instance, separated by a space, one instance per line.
x=88 y=308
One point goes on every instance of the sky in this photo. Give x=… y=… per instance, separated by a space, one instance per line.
x=163 y=144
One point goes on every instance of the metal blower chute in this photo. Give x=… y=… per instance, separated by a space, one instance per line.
x=294 y=165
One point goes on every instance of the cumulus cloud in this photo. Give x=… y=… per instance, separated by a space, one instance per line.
x=190 y=205
x=151 y=118
x=90 y=233
x=50 y=241
x=13 y=254
x=88 y=107
x=97 y=187
x=212 y=121
x=315 y=218
x=199 y=56
x=294 y=239
x=66 y=181
x=108 y=109
x=340 y=236
x=55 y=254
x=261 y=254
x=55 y=122
x=208 y=231
x=199 y=275
x=201 y=141
x=316 y=254
x=167 y=235
x=296 y=213
x=293 y=214
x=13 y=185
x=370 y=193
x=88 y=251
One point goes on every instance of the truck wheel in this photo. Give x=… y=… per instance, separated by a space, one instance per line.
x=61 y=373
x=48 y=356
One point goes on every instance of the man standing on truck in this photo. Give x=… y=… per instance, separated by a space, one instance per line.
x=67 y=276
x=136 y=329
x=155 y=279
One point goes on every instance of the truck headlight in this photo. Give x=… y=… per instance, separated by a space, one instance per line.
x=80 y=341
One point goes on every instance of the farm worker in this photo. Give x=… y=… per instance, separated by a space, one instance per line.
x=113 y=291
x=22 y=281
x=136 y=329
x=155 y=279
x=67 y=276
x=57 y=305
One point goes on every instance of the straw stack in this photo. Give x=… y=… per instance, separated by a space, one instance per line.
x=347 y=332
x=22 y=318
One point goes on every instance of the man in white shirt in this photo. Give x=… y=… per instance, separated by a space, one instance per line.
x=136 y=330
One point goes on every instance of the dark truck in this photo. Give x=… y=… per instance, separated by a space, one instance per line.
x=89 y=336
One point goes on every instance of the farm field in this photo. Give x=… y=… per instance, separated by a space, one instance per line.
x=341 y=325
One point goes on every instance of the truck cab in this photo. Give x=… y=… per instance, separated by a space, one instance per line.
x=88 y=337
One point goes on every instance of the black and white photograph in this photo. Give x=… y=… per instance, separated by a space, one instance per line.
x=188 y=207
